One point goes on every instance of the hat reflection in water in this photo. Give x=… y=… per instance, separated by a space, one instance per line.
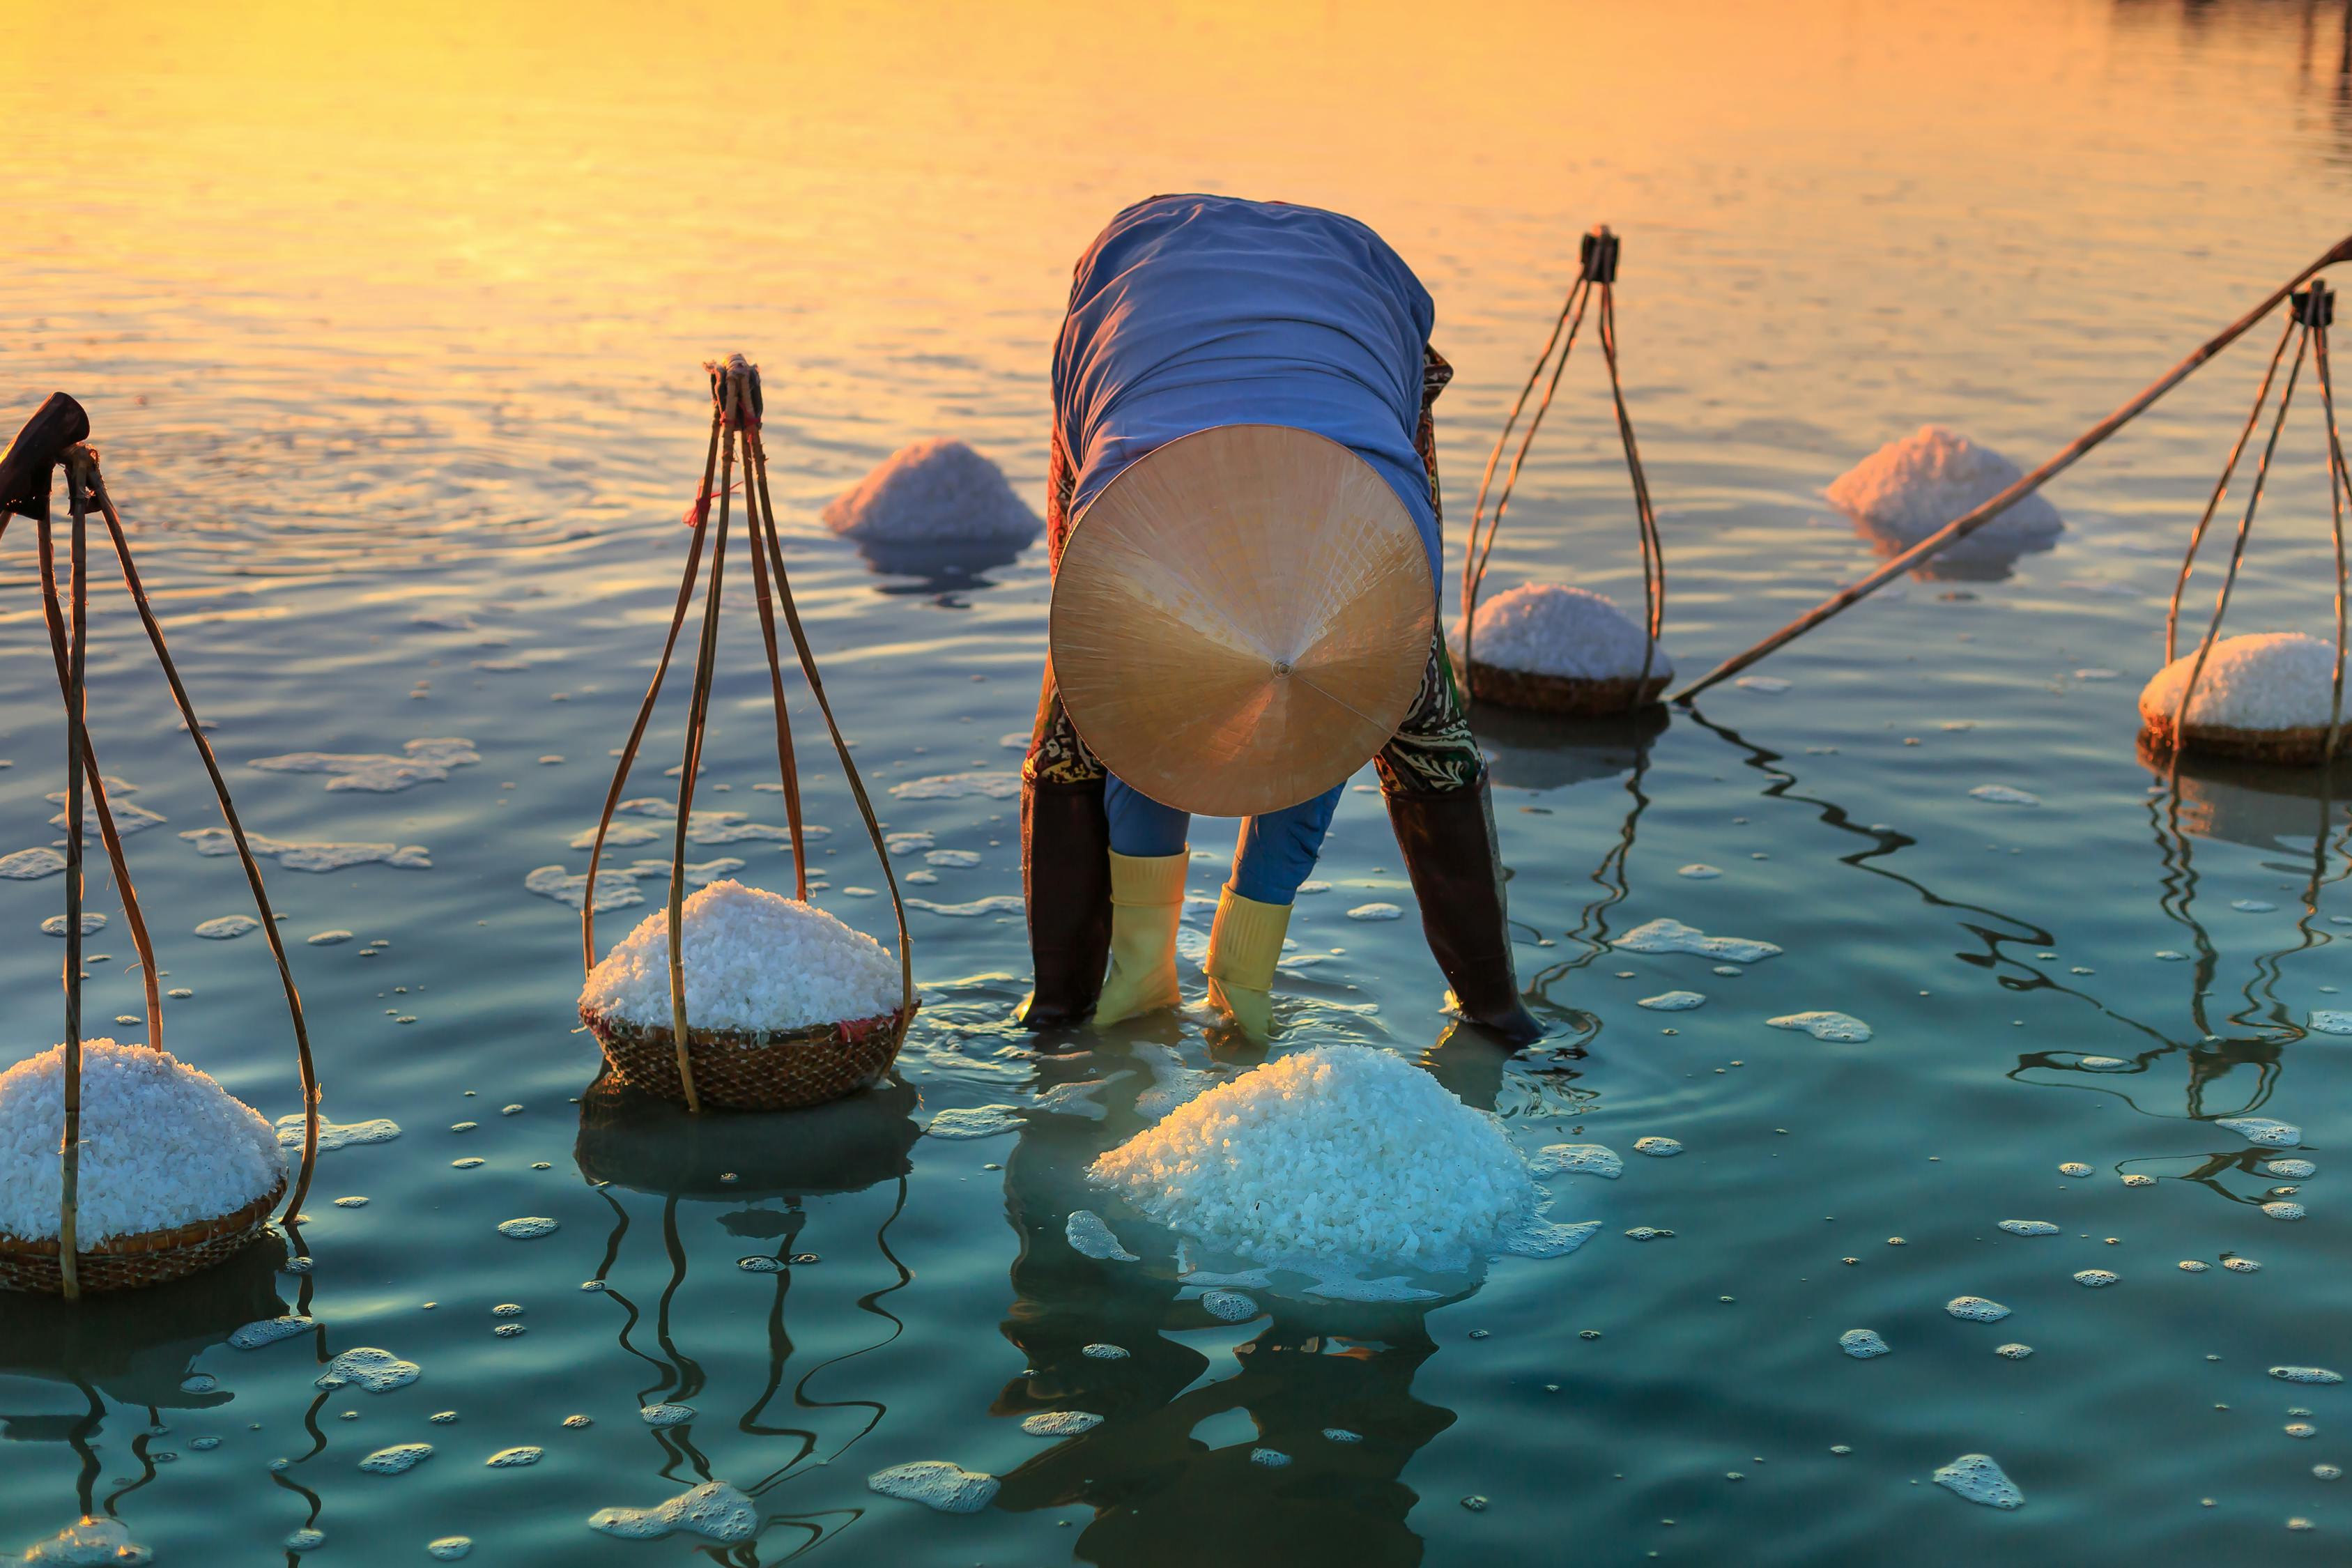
x=1244 y=609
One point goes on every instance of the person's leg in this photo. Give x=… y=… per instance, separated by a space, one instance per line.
x=1064 y=840
x=1275 y=855
x=1148 y=861
x=1435 y=782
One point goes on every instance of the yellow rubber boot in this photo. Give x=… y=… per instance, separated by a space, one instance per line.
x=1243 y=945
x=1147 y=895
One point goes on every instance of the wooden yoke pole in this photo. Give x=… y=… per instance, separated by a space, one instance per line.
x=1960 y=527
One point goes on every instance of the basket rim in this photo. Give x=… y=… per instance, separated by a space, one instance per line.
x=896 y=1021
x=173 y=1238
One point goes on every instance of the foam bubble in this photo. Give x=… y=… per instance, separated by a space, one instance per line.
x=2311 y=1375
x=1376 y=911
x=2095 y=1279
x=1770 y=685
x=1542 y=1238
x=936 y=1484
x=1341 y=1434
x=658 y=1416
x=423 y=761
x=1060 y=1423
x=2290 y=1170
x=268 y=1331
x=1090 y=1236
x=976 y=1121
x=1576 y=1160
x=1103 y=1352
x=1976 y=1310
x=2323 y=1020
x=305 y=1539
x=2282 y=1210
x=2137 y=1179
x=328 y=938
x=2252 y=906
x=1699 y=871
x=1674 y=1001
x=1229 y=1306
x=1841 y=1028
x=2013 y=1350
x=1659 y=1148
x=91 y=920
x=1977 y=1478
x=1664 y=935
x=1269 y=1458
x=2003 y=795
x=398 y=1459
x=2029 y=1227
x=714 y=1511
x=2193 y=1265
x=2264 y=1130
x=2241 y=1266
x=2073 y=1168
x=2102 y=1064
x=526 y=1228
x=1862 y=1344
x=376 y=1371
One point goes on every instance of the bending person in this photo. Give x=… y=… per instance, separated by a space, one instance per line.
x=1243 y=526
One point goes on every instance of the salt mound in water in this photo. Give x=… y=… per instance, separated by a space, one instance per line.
x=1914 y=486
x=162 y=1144
x=92 y=1539
x=933 y=493
x=1337 y=1156
x=755 y=963
x=2266 y=694
x=1547 y=628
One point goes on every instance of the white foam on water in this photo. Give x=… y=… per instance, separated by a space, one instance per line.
x=937 y=1484
x=1576 y=1160
x=1341 y=1434
x=268 y=1331
x=1543 y=1239
x=755 y=962
x=990 y=785
x=1172 y=1082
x=2073 y=1168
x=1674 y=1001
x=2331 y=1021
x=91 y=920
x=2192 y=1266
x=162 y=1144
x=2290 y=1170
x=398 y=1459
x=1977 y=1478
x=1376 y=911
x=2029 y=1227
x=954 y=859
x=2310 y=1374
x=2262 y=1129
x=1769 y=685
x=1103 y=1352
x=2102 y=1064
x=2166 y=956
x=995 y=904
x=1229 y=1306
x=31 y=865
x=1841 y=1028
x=1699 y=871
x=1659 y=1148
x=421 y=761
x=2252 y=906
x=366 y=1367
x=312 y=857
x=2003 y=795
x=714 y=1511
x=1089 y=1236
x=128 y=819
x=1060 y=1423
x=1672 y=936
x=2013 y=1351
x=976 y=1121
x=449 y=1548
x=2241 y=1266
x=937 y=490
x=92 y=1539
x=328 y=938
x=617 y=885
x=906 y=843
x=2095 y=1279
x=1862 y=1344
x=1269 y=1458
x=619 y=835
x=527 y=1228
x=335 y=1135
x=514 y=1458
x=305 y=1539
x=1337 y=1156
x=2282 y=1210
x=1080 y=1100
x=667 y=1415
x=1976 y=1310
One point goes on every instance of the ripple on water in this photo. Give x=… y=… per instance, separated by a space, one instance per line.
x=1841 y=1028
x=1977 y=1478
x=714 y=1511
x=936 y=1484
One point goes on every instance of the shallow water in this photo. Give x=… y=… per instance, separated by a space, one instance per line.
x=390 y=331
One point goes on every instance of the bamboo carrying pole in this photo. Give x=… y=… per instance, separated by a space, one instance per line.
x=737 y=410
x=51 y=438
x=1596 y=276
x=1960 y=527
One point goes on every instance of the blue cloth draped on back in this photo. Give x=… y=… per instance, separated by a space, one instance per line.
x=1193 y=312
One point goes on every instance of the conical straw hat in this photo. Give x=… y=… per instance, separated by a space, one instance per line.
x=1241 y=619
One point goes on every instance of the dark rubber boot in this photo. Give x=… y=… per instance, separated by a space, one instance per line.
x=1066 y=882
x=1457 y=875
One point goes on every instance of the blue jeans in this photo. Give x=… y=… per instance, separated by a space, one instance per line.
x=1276 y=851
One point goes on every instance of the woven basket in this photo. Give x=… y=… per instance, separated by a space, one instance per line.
x=147 y=1257
x=1571 y=695
x=744 y=1071
x=2302 y=748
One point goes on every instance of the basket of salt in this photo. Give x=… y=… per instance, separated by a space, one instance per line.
x=176 y=1174
x=120 y=1165
x=1560 y=650
x=1563 y=650
x=2267 y=696
x=742 y=997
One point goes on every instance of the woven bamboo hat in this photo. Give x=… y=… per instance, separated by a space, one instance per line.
x=1241 y=619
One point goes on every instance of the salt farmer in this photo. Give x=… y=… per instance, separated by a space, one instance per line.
x=1197 y=313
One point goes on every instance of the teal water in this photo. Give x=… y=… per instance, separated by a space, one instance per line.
x=392 y=341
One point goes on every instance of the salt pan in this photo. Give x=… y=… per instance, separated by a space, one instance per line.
x=162 y=1144
x=934 y=491
x=755 y=962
